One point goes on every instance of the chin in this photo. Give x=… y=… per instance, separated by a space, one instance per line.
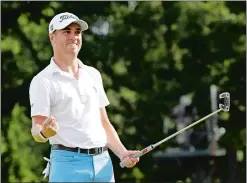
x=73 y=52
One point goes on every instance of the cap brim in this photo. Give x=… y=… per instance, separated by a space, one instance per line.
x=82 y=23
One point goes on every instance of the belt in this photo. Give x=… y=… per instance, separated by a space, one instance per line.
x=92 y=151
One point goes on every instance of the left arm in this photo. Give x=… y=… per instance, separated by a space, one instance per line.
x=113 y=140
x=114 y=143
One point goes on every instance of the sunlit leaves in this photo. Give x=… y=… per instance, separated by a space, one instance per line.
x=19 y=136
x=120 y=67
x=11 y=44
x=49 y=11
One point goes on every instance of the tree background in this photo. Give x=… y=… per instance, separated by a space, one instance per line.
x=149 y=54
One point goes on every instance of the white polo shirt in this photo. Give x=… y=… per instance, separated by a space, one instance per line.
x=74 y=103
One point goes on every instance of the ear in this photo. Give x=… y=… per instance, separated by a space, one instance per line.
x=52 y=37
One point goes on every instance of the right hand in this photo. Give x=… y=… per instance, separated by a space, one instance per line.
x=50 y=127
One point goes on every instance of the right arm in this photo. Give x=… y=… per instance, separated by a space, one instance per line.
x=43 y=126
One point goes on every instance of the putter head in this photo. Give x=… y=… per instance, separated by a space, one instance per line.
x=226 y=102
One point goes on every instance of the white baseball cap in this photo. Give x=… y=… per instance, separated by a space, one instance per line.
x=62 y=20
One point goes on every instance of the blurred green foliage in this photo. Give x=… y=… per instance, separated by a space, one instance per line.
x=149 y=54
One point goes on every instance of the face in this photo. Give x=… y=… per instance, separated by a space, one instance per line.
x=68 y=40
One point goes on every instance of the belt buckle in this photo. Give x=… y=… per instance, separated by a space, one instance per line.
x=92 y=154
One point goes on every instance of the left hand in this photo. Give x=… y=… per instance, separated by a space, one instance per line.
x=128 y=161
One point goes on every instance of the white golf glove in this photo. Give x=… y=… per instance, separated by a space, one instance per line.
x=46 y=171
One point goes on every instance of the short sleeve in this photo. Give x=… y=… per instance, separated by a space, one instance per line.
x=39 y=96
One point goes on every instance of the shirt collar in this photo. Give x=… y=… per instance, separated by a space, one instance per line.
x=55 y=69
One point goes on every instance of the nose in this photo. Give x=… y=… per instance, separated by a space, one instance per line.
x=72 y=36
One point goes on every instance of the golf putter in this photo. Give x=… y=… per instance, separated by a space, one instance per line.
x=222 y=107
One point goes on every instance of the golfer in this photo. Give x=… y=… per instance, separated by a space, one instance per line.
x=68 y=102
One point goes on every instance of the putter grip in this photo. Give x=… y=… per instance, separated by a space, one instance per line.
x=133 y=156
x=140 y=153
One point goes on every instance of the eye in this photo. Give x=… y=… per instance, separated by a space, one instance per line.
x=78 y=32
x=66 y=32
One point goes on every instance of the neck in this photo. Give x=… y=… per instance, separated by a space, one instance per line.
x=66 y=63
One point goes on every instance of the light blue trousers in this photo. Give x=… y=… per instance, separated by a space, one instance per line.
x=69 y=166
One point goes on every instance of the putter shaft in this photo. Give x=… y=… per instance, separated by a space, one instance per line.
x=186 y=128
x=151 y=147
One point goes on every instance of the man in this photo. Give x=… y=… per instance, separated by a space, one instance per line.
x=68 y=108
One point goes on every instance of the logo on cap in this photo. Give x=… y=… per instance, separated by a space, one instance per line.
x=51 y=27
x=64 y=17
